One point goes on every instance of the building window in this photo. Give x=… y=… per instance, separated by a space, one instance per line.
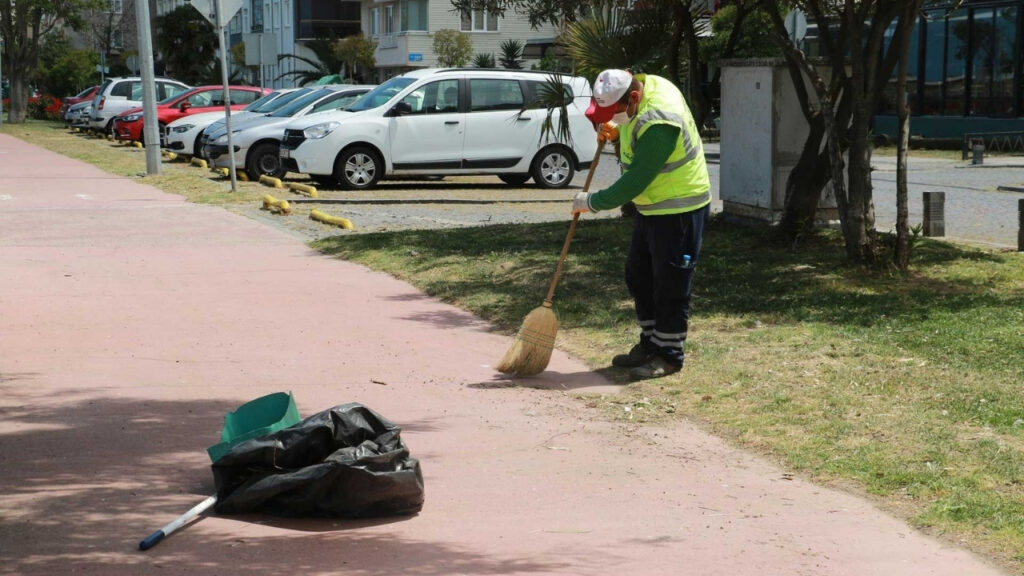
x=323 y=19
x=375 y=22
x=257 y=16
x=956 y=63
x=117 y=6
x=389 y=19
x=479 y=21
x=413 y=16
x=888 y=102
x=1003 y=68
x=934 y=61
x=116 y=39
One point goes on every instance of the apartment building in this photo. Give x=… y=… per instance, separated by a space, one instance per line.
x=403 y=28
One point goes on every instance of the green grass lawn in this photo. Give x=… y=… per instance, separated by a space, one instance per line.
x=906 y=388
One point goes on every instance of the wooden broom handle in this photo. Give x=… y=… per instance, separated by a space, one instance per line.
x=572 y=228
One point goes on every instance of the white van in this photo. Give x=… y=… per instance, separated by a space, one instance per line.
x=444 y=122
x=119 y=94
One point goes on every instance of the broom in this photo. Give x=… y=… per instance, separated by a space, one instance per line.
x=531 y=351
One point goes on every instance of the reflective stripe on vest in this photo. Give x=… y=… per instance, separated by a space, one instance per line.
x=683 y=183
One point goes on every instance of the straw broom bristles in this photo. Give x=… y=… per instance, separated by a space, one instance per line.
x=531 y=351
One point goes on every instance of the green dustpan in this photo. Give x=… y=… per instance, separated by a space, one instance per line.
x=256 y=418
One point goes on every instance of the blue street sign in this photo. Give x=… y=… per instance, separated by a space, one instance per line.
x=415 y=57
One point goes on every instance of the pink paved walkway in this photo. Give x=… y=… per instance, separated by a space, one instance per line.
x=131 y=321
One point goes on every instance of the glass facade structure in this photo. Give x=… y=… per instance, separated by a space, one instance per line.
x=966 y=63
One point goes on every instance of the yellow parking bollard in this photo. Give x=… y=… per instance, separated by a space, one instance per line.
x=303 y=189
x=271 y=203
x=271 y=181
x=335 y=220
x=199 y=162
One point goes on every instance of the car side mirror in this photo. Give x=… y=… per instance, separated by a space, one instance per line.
x=400 y=109
x=185 y=106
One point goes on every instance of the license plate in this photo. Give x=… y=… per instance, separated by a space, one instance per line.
x=285 y=153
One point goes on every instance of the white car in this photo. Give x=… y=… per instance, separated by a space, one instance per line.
x=257 y=138
x=444 y=122
x=77 y=115
x=182 y=135
x=119 y=94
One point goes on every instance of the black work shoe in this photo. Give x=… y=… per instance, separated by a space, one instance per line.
x=656 y=367
x=637 y=356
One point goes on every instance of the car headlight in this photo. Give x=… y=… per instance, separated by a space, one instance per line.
x=131 y=118
x=183 y=128
x=320 y=130
x=222 y=139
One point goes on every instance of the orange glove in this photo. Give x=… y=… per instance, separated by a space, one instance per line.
x=607 y=133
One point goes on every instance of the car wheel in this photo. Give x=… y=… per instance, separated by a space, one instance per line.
x=514 y=179
x=358 y=168
x=264 y=159
x=109 y=128
x=197 y=146
x=552 y=168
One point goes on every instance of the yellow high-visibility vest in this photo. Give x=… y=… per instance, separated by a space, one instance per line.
x=683 y=184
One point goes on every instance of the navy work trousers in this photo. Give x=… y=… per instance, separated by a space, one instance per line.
x=660 y=277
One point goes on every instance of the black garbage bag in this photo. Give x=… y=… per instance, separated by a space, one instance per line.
x=346 y=462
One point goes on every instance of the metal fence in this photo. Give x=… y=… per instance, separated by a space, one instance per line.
x=1004 y=142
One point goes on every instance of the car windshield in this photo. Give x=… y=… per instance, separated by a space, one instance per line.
x=255 y=105
x=279 y=102
x=84 y=93
x=170 y=99
x=293 y=107
x=381 y=94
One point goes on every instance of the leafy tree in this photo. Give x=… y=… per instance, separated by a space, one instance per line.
x=333 y=56
x=483 y=61
x=63 y=71
x=852 y=37
x=189 y=45
x=326 y=63
x=453 y=48
x=511 y=54
x=356 y=51
x=23 y=25
x=103 y=24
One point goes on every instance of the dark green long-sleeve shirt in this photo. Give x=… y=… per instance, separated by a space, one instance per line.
x=653 y=149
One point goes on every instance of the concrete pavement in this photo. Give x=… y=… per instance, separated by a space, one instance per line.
x=131 y=321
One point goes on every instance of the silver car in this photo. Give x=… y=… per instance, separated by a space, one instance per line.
x=257 y=139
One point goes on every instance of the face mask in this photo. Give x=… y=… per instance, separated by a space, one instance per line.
x=621 y=118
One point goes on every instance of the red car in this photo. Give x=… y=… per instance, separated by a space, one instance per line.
x=82 y=96
x=128 y=124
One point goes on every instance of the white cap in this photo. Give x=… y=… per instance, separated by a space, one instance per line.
x=610 y=86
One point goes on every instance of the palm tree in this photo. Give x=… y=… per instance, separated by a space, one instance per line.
x=483 y=61
x=511 y=51
x=328 y=61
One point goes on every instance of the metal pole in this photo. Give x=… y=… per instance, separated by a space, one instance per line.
x=151 y=134
x=261 y=62
x=221 y=33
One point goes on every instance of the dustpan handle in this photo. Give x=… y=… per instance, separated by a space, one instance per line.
x=572 y=228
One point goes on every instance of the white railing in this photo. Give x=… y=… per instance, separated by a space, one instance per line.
x=387 y=41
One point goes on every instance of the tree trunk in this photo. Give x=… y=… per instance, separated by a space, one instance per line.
x=19 y=97
x=901 y=252
x=805 y=183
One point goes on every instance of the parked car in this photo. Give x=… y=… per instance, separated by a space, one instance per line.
x=83 y=96
x=77 y=115
x=128 y=124
x=182 y=135
x=444 y=122
x=257 y=140
x=119 y=94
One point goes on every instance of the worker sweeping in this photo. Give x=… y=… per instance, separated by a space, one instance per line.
x=666 y=178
